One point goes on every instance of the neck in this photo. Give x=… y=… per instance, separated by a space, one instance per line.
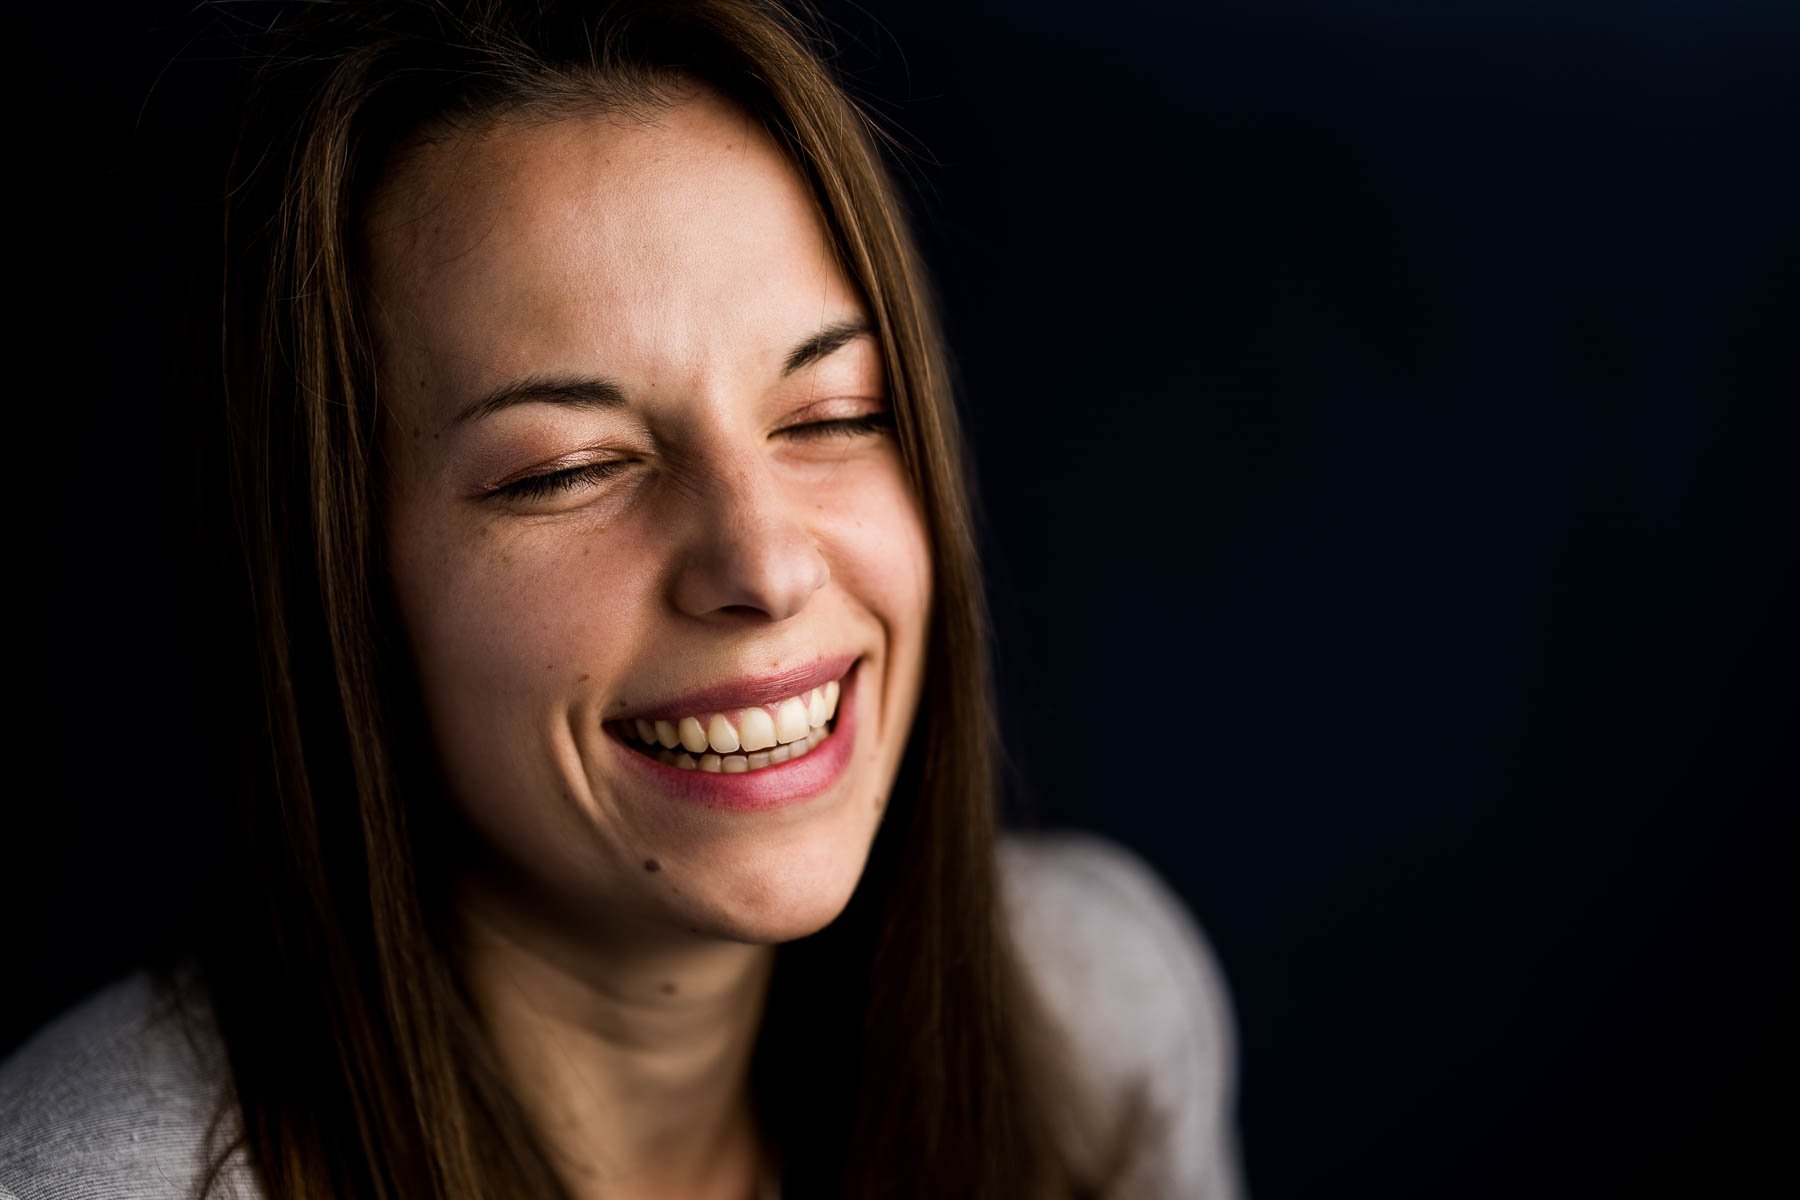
x=629 y=1052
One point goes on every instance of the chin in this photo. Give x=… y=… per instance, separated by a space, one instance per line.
x=781 y=901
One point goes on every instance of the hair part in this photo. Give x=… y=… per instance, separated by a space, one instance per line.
x=902 y=1044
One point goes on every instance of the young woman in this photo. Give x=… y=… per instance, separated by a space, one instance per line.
x=617 y=762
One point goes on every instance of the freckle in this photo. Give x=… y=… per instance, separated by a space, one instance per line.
x=668 y=989
x=650 y=864
x=583 y=678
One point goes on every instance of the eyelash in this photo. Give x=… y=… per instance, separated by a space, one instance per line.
x=537 y=487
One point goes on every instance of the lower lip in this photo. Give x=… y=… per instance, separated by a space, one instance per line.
x=782 y=785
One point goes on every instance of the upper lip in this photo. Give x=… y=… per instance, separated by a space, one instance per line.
x=743 y=692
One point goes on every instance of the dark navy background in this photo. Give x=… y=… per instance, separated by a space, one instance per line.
x=1386 y=423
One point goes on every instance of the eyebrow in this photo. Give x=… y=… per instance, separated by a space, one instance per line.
x=831 y=338
x=593 y=392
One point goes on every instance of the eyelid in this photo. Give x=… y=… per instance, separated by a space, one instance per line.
x=544 y=484
x=851 y=426
x=561 y=479
x=851 y=404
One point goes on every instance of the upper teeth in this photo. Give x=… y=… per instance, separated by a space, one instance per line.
x=746 y=729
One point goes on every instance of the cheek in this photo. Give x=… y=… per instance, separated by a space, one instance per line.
x=881 y=556
x=498 y=608
x=507 y=629
x=504 y=625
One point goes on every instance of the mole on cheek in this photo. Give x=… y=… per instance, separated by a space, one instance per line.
x=668 y=989
x=650 y=864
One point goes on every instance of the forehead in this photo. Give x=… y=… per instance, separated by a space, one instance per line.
x=664 y=250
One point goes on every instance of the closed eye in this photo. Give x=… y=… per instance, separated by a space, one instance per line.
x=538 y=487
x=843 y=426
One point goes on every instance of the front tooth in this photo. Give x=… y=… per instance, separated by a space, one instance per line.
x=832 y=692
x=665 y=733
x=692 y=736
x=758 y=761
x=815 y=707
x=723 y=737
x=790 y=720
x=646 y=732
x=755 y=730
x=735 y=764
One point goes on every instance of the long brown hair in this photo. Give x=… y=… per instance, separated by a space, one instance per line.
x=903 y=1052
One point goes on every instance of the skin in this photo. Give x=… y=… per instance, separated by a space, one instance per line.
x=682 y=258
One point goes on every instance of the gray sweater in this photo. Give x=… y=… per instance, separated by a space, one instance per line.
x=110 y=1101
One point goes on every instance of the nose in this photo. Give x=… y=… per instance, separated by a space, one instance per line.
x=747 y=552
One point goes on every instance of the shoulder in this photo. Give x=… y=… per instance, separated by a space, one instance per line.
x=1127 y=973
x=115 y=1099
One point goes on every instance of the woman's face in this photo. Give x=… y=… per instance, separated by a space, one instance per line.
x=609 y=351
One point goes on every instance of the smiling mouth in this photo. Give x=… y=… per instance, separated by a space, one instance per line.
x=738 y=763
x=737 y=741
